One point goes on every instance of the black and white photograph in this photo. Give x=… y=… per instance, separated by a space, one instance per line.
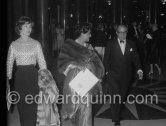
x=85 y=63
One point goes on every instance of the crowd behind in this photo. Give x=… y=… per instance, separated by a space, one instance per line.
x=149 y=38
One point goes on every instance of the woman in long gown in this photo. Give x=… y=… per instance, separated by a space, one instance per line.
x=74 y=57
x=26 y=52
x=153 y=44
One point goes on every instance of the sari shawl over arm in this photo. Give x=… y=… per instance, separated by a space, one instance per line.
x=73 y=57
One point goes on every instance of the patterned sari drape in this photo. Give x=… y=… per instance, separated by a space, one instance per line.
x=47 y=109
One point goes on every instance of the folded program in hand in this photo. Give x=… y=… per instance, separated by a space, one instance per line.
x=83 y=82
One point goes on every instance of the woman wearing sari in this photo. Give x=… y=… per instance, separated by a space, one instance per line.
x=74 y=57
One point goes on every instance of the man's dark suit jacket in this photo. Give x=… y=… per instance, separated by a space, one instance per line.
x=121 y=66
x=120 y=71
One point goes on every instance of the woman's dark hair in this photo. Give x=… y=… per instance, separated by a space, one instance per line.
x=21 y=21
x=81 y=28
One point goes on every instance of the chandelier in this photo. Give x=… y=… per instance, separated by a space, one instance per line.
x=108 y=2
x=163 y=1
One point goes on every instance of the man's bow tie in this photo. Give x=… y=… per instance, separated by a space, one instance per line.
x=121 y=41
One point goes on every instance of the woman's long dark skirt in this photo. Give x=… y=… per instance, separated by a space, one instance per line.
x=26 y=84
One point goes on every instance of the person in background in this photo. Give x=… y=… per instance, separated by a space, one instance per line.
x=111 y=31
x=154 y=52
x=27 y=52
x=60 y=37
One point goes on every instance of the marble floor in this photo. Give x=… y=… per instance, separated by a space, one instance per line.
x=14 y=121
x=135 y=114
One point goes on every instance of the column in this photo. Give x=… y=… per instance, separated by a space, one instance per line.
x=87 y=10
x=42 y=22
x=10 y=23
x=16 y=12
x=156 y=12
x=63 y=12
x=58 y=14
x=25 y=7
x=149 y=10
x=121 y=11
x=114 y=11
x=78 y=12
x=92 y=11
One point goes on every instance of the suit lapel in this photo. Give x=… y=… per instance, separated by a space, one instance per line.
x=127 y=48
x=118 y=48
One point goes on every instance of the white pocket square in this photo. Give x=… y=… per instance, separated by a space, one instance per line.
x=131 y=49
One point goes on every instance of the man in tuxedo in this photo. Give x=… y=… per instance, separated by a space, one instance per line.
x=121 y=60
